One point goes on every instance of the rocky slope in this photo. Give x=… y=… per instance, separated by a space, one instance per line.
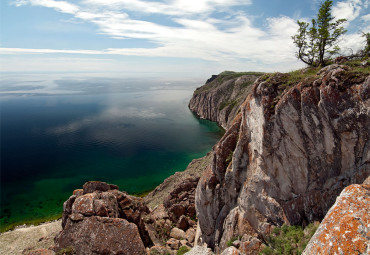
x=286 y=156
x=220 y=98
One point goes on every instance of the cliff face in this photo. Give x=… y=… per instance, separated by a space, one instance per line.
x=286 y=156
x=220 y=98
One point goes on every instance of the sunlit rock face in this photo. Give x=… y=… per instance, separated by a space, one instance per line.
x=346 y=227
x=100 y=219
x=287 y=155
x=220 y=98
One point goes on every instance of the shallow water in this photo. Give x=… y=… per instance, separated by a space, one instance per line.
x=52 y=144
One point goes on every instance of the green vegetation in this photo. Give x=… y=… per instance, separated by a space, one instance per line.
x=289 y=239
x=224 y=76
x=230 y=242
x=319 y=42
x=230 y=104
x=67 y=251
x=228 y=159
x=182 y=250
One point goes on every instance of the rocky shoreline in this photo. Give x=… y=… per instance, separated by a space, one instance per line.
x=294 y=144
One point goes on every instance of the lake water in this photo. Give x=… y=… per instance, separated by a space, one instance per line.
x=52 y=143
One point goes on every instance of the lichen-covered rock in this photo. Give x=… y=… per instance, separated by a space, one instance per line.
x=101 y=235
x=103 y=220
x=287 y=155
x=346 y=227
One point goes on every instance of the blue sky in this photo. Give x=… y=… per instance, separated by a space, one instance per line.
x=170 y=37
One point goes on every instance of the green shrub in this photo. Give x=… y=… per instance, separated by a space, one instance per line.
x=289 y=239
x=230 y=242
x=182 y=250
x=67 y=251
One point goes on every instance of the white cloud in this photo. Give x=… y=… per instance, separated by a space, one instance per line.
x=349 y=9
x=61 y=6
x=169 y=7
x=234 y=40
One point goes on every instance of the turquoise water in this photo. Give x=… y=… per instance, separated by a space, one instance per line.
x=52 y=144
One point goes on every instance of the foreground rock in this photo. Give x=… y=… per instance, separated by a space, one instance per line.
x=346 y=227
x=100 y=219
x=287 y=155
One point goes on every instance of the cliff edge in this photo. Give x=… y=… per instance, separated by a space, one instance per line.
x=298 y=140
x=220 y=98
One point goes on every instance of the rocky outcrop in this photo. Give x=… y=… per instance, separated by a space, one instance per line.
x=286 y=156
x=220 y=98
x=100 y=219
x=346 y=227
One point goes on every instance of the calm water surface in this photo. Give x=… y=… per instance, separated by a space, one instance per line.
x=52 y=144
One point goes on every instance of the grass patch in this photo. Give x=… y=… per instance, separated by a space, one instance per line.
x=66 y=251
x=224 y=76
x=289 y=239
x=182 y=250
x=230 y=242
x=231 y=104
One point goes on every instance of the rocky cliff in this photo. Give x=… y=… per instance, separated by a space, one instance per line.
x=220 y=98
x=298 y=140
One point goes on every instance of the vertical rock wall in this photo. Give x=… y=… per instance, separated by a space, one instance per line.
x=287 y=155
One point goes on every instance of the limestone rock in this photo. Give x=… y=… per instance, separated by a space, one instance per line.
x=159 y=250
x=101 y=235
x=200 y=250
x=190 y=235
x=231 y=251
x=173 y=244
x=346 y=227
x=177 y=233
x=287 y=155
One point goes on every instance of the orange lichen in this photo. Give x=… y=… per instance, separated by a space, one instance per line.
x=345 y=228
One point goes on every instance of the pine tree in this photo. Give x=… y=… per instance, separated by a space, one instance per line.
x=319 y=42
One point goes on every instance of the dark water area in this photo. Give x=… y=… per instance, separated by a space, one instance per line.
x=52 y=144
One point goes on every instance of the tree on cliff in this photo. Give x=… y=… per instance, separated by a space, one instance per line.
x=316 y=44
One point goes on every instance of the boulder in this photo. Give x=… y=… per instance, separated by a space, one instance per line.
x=91 y=186
x=183 y=223
x=101 y=235
x=190 y=235
x=105 y=213
x=177 y=234
x=345 y=229
x=159 y=250
x=173 y=244
x=231 y=251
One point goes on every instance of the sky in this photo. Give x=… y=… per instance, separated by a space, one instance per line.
x=166 y=37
